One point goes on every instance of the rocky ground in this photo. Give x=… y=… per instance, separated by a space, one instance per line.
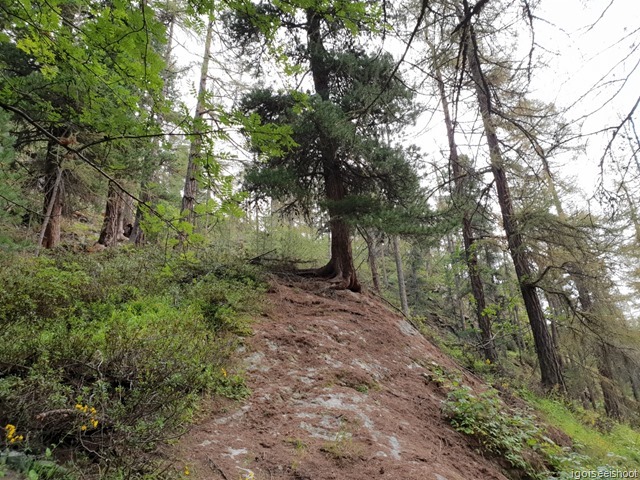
x=339 y=391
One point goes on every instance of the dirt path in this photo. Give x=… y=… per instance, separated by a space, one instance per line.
x=338 y=393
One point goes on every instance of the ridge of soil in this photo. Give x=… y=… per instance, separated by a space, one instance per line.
x=338 y=392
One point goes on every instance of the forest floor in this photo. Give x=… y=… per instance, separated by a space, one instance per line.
x=340 y=390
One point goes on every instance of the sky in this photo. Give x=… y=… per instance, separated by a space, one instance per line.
x=590 y=48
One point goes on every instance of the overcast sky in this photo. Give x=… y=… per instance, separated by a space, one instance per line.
x=591 y=47
x=593 y=55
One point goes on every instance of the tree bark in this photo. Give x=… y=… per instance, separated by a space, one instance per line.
x=340 y=267
x=190 y=191
x=550 y=371
x=613 y=401
x=383 y=263
x=633 y=377
x=402 y=288
x=371 y=239
x=137 y=233
x=54 y=204
x=557 y=311
x=111 y=231
x=54 y=195
x=453 y=286
x=471 y=256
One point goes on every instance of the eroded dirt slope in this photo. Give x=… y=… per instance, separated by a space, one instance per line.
x=338 y=393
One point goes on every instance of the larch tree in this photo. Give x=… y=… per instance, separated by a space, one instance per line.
x=460 y=178
x=549 y=361
x=573 y=250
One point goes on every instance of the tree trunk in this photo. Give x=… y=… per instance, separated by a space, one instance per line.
x=113 y=217
x=557 y=311
x=371 y=239
x=191 y=179
x=633 y=377
x=551 y=375
x=613 y=401
x=402 y=289
x=340 y=267
x=383 y=262
x=453 y=286
x=471 y=256
x=54 y=205
x=137 y=233
x=54 y=194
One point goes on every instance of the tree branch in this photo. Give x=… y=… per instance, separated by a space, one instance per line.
x=82 y=157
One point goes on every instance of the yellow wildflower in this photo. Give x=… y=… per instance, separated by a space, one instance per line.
x=94 y=422
x=83 y=428
x=11 y=434
x=186 y=471
x=224 y=373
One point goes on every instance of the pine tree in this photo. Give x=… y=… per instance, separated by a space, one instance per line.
x=339 y=161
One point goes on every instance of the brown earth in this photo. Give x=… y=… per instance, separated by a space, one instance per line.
x=339 y=391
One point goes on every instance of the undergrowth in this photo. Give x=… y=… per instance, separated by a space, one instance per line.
x=508 y=433
x=611 y=448
x=104 y=357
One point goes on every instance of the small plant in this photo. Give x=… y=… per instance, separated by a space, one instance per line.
x=343 y=447
x=297 y=444
x=507 y=433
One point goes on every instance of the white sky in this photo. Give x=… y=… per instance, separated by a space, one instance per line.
x=586 y=66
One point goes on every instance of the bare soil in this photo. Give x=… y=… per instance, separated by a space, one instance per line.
x=338 y=392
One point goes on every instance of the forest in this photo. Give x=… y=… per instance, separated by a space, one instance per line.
x=167 y=165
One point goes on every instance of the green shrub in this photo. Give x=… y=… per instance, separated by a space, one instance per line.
x=108 y=355
x=509 y=433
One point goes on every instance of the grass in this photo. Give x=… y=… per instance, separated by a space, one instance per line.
x=619 y=447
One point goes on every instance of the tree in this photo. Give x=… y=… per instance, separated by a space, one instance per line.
x=75 y=75
x=402 y=288
x=339 y=161
x=470 y=248
x=191 y=179
x=548 y=358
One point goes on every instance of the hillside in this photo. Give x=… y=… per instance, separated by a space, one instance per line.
x=339 y=391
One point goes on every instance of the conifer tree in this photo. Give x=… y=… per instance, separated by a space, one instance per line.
x=339 y=161
x=550 y=365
